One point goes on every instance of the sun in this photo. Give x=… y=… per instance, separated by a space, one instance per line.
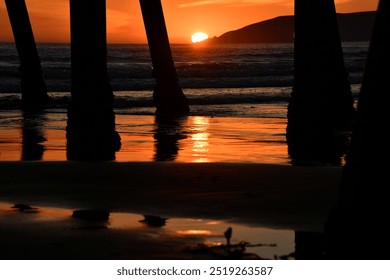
x=199 y=37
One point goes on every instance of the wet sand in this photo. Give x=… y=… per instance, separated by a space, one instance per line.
x=192 y=139
x=267 y=195
x=200 y=168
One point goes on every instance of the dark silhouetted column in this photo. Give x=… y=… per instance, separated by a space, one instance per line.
x=168 y=97
x=321 y=102
x=91 y=131
x=357 y=229
x=33 y=85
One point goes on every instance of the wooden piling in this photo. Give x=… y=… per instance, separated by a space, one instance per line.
x=363 y=206
x=168 y=97
x=91 y=131
x=33 y=85
x=321 y=102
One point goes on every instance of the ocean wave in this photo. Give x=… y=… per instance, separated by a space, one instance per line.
x=130 y=66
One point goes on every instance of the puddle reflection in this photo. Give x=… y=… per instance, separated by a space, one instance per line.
x=192 y=231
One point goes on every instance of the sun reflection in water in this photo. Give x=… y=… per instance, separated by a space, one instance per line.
x=200 y=138
x=213 y=223
x=192 y=232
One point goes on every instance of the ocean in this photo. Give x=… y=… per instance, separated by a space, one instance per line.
x=246 y=83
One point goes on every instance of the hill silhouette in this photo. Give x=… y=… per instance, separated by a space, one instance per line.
x=352 y=26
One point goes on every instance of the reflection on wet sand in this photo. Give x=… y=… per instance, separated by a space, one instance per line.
x=33 y=135
x=200 y=138
x=145 y=139
x=58 y=223
x=167 y=134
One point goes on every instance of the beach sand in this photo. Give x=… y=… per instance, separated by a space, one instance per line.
x=203 y=173
x=265 y=195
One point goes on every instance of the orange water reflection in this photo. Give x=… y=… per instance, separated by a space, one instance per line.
x=196 y=139
x=194 y=232
x=200 y=137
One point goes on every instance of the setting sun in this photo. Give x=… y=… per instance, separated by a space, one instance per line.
x=199 y=37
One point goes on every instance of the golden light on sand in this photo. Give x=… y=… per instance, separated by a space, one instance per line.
x=199 y=37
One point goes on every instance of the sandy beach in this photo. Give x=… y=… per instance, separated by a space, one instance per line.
x=263 y=195
x=203 y=173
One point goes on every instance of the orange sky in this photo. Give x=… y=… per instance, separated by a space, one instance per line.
x=50 y=19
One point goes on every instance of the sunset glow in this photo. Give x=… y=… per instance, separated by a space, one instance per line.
x=50 y=19
x=199 y=37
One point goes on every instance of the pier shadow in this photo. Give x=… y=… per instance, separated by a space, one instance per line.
x=33 y=136
x=167 y=134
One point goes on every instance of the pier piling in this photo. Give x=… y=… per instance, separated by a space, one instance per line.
x=321 y=102
x=363 y=204
x=91 y=131
x=168 y=96
x=33 y=86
